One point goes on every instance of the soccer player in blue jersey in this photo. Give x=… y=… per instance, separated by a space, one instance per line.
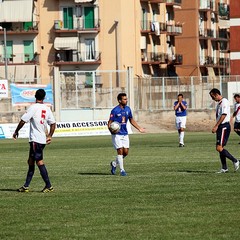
x=222 y=129
x=180 y=107
x=121 y=113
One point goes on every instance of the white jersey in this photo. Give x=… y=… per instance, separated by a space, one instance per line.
x=39 y=115
x=237 y=111
x=223 y=107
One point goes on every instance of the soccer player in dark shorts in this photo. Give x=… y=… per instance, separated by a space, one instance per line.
x=222 y=129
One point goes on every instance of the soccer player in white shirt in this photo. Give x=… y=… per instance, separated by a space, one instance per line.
x=39 y=115
x=222 y=129
x=236 y=114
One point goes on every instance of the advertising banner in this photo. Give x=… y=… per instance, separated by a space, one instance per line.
x=24 y=94
x=63 y=129
x=3 y=88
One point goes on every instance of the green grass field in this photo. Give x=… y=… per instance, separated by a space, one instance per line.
x=169 y=193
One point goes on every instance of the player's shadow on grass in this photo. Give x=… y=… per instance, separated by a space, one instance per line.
x=193 y=171
x=93 y=174
x=8 y=190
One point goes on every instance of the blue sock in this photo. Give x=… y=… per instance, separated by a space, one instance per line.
x=44 y=174
x=30 y=174
x=223 y=160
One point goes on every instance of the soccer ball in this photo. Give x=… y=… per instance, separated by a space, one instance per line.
x=115 y=126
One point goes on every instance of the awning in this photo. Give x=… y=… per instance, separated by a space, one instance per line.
x=66 y=43
x=83 y=1
x=16 y=11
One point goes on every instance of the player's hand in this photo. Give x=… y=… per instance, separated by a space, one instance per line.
x=142 y=130
x=48 y=140
x=15 y=135
x=113 y=132
x=214 y=129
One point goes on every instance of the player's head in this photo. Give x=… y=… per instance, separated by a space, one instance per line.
x=237 y=97
x=180 y=97
x=122 y=98
x=40 y=94
x=215 y=94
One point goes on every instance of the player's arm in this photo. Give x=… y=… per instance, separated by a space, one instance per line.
x=20 y=125
x=51 y=132
x=218 y=123
x=183 y=105
x=134 y=123
x=176 y=106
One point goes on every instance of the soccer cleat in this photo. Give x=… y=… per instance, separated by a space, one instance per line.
x=123 y=173
x=23 y=189
x=181 y=145
x=113 y=169
x=223 y=171
x=236 y=166
x=46 y=190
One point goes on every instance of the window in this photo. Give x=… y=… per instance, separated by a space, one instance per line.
x=90 y=49
x=68 y=17
x=28 y=51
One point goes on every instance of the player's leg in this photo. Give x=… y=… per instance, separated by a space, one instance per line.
x=117 y=144
x=223 y=135
x=182 y=126
x=31 y=169
x=237 y=128
x=38 y=155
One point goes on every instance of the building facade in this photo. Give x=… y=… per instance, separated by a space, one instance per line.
x=205 y=39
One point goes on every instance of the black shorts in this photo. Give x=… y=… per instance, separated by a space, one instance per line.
x=223 y=133
x=36 y=151
x=237 y=125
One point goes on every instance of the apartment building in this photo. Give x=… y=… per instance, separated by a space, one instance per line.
x=88 y=35
x=205 y=39
x=235 y=36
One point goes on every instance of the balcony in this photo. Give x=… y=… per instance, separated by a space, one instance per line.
x=223 y=10
x=152 y=58
x=165 y=28
x=209 y=5
x=20 y=58
x=214 y=62
x=77 y=25
x=214 y=35
x=74 y=57
x=173 y=2
x=20 y=28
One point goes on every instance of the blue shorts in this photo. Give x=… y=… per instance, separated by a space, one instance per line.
x=223 y=133
x=36 y=151
x=237 y=125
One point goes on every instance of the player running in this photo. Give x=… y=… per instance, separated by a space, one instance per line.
x=121 y=113
x=222 y=129
x=39 y=115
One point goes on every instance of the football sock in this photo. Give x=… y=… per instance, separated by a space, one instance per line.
x=120 y=161
x=30 y=174
x=237 y=132
x=181 y=137
x=223 y=160
x=228 y=155
x=44 y=174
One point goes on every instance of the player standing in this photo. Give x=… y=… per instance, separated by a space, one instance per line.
x=121 y=113
x=236 y=114
x=39 y=115
x=222 y=129
x=180 y=107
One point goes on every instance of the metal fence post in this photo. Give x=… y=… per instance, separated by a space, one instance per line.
x=192 y=94
x=163 y=93
x=130 y=85
x=57 y=96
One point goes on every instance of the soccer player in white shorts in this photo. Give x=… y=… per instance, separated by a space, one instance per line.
x=120 y=140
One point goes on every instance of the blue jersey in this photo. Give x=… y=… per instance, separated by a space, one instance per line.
x=121 y=115
x=180 y=112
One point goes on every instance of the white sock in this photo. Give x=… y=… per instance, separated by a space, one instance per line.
x=181 y=137
x=120 y=162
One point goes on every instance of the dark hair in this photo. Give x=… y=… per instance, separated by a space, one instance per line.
x=180 y=95
x=236 y=95
x=40 y=94
x=120 y=95
x=215 y=91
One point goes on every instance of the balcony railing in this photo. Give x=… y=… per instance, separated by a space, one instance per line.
x=77 y=24
x=161 y=58
x=77 y=57
x=171 y=29
x=173 y=2
x=20 y=27
x=20 y=58
x=214 y=61
x=210 y=33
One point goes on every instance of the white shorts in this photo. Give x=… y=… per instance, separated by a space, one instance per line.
x=181 y=122
x=120 y=141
